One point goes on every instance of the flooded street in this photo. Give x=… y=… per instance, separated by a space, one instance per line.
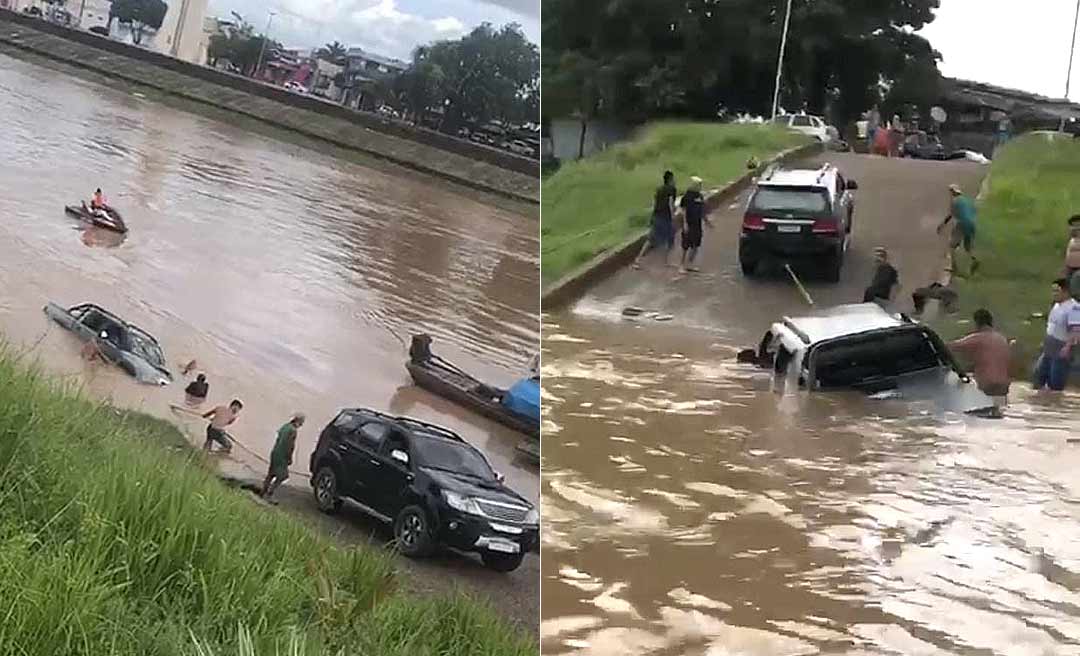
x=690 y=509
x=293 y=279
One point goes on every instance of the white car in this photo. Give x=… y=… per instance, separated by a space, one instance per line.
x=809 y=125
x=295 y=87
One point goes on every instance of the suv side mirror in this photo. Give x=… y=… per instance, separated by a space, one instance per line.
x=400 y=456
x=852 y=185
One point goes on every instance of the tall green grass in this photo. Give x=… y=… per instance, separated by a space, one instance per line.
x=593 y=204
x=1021 y=238
x=115 y=538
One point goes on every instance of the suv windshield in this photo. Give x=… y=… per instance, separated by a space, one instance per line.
x=439 y=453
x=790 y=199
x=886 y=355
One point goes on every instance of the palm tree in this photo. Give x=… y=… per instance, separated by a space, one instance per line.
x=333 y=52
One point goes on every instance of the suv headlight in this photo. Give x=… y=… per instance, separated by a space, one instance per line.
x=461 y=502
x=533 y=517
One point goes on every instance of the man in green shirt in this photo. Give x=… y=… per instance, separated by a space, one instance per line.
x=282 y=454
x=962 y=213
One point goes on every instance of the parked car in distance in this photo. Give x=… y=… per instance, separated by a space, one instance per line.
x=427 y=482
x=919 y=145
x=520 y=148
x=799 y=214
x=867 y=348
x=295 y=87
x=100 y=30
x=128 y=346
x=812 y=126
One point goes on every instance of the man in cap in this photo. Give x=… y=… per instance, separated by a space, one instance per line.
x=962 y=214
x=282 y=454
x=693 y=207
x=885 y=280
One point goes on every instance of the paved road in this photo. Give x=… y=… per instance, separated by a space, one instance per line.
x=899 y=205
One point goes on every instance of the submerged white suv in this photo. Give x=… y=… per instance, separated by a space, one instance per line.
x=866 y=348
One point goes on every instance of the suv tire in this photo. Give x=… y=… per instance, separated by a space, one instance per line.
x=326 y=490
x=748 y=267
x=412 y=532
x=501 y=562
x=833 y=265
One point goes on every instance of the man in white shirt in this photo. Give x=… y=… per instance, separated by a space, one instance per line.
x=1062 y=338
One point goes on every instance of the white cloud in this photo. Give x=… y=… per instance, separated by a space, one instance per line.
x=394 y=32
x=448 y=24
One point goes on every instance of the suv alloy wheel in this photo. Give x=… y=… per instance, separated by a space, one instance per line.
x=326 y=490
x=413 y=532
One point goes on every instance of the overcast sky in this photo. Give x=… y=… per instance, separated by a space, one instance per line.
x=1022 y=44
x=387 y=27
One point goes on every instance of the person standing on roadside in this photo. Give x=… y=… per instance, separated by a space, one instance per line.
x=693 y=207
x=221 y=418
x=873 y=123
x=1062 y=337
x=663 y=221
x=962 y=214
x=988 y=351
x=282 y=454
x=886 y=279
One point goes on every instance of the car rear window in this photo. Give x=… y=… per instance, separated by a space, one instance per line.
x=790 y=199
x=801 y=122
x=883 y=356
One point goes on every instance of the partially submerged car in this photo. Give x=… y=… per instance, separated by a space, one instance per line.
x=129 y=347
x=432 y=486
x=866 y=348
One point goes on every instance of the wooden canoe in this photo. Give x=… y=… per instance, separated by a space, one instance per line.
x=451 y=383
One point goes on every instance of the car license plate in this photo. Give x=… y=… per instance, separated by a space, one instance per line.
x=789 y=228
x=504 y=546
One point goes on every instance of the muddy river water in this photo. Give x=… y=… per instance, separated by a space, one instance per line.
x=293 y=279
x=690 y=509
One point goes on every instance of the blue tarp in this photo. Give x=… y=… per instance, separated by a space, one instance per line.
x=524 y=399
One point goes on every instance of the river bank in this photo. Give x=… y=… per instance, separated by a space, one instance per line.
x=115 y=537
x=329 y=125
x=1022 y=233
x=595 y=204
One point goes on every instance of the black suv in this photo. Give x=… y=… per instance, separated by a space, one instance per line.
x=430 y=484
x=799 y=214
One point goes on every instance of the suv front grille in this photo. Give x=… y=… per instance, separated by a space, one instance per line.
x=502 y=512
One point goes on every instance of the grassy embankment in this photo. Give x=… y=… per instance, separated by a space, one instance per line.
x=591 y=205
x=1021 y=241
x=115 y=538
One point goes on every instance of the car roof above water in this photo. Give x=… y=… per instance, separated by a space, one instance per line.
x=841 y=320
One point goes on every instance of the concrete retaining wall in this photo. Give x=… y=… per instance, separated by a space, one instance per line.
x=574 y=284
x=427 y=151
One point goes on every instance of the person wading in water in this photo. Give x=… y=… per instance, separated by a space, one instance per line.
x=663 y=217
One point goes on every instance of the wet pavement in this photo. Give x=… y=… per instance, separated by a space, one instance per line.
x=690 y=509
x=293 y=279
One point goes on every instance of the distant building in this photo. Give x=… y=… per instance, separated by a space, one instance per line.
x=362 y=70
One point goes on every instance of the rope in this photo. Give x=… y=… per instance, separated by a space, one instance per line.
x=232 y=438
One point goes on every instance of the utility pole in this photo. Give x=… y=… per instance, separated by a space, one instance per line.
x=265 y=38
x=780 y=61
x=179 y=28
x=1072 y=49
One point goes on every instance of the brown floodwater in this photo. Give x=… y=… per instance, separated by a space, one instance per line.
x=691 y=508
x=292 y=278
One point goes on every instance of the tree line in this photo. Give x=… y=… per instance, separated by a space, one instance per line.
x=634 y=60
x=487 y=74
